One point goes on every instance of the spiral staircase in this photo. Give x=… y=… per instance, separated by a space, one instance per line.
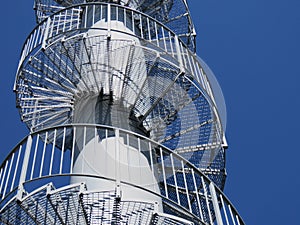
x=124 y=125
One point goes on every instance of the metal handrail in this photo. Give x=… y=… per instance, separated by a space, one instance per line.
x=74 y=20
x=198 y=195
x=69 y=20
x=45 y=8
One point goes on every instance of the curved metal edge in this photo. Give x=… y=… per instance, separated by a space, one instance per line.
x=207 y=179
x=209 y=97
x=89 y=4
x=178 y=207
x=184 y=2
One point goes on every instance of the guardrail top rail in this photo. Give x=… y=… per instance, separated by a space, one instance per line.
x=53 y=46
x=51 y=153
x=81 y=18
x=174 y=14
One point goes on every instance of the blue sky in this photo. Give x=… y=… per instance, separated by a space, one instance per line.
x=253 y=48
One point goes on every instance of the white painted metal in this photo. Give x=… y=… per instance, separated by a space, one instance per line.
x=116 y=168
x=8 y=174
x=215 y=204
x=98 y=84
x=101 y=177
x=25 y=160
x=16 y=169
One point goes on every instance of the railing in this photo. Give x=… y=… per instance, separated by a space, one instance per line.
x=81 y=18
x=177 y=18
x=51 y=153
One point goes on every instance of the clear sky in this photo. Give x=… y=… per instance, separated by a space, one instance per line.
x=253 y=48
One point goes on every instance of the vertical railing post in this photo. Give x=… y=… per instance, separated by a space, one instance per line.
x=207 y=200
x=179 y=54
x=117 y=155
x=25 y=160
x=25 y=164
x=215 y=204
x=108 y=21
x=46 y=33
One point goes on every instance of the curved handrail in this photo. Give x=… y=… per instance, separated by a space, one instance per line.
x=70 y=20
x=180 y=182
x=44 y=8
x=62 y=24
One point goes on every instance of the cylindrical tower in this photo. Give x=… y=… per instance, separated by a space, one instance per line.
x=125 y=126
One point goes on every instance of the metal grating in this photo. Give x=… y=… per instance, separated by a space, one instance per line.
x=75 y=205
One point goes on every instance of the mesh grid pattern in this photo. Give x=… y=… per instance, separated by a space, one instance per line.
x=14 y=214
x=101 y=208
x=136 y=212
x=69 y=205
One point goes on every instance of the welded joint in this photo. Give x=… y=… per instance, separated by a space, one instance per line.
x=156 y=207
x=30 y=59
x=224 y=142
x=85 y=36
x=182 y=72
x=49 y=189
x=20 y=192
x=44 y=43
x=82 y=188
x=63 y=39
